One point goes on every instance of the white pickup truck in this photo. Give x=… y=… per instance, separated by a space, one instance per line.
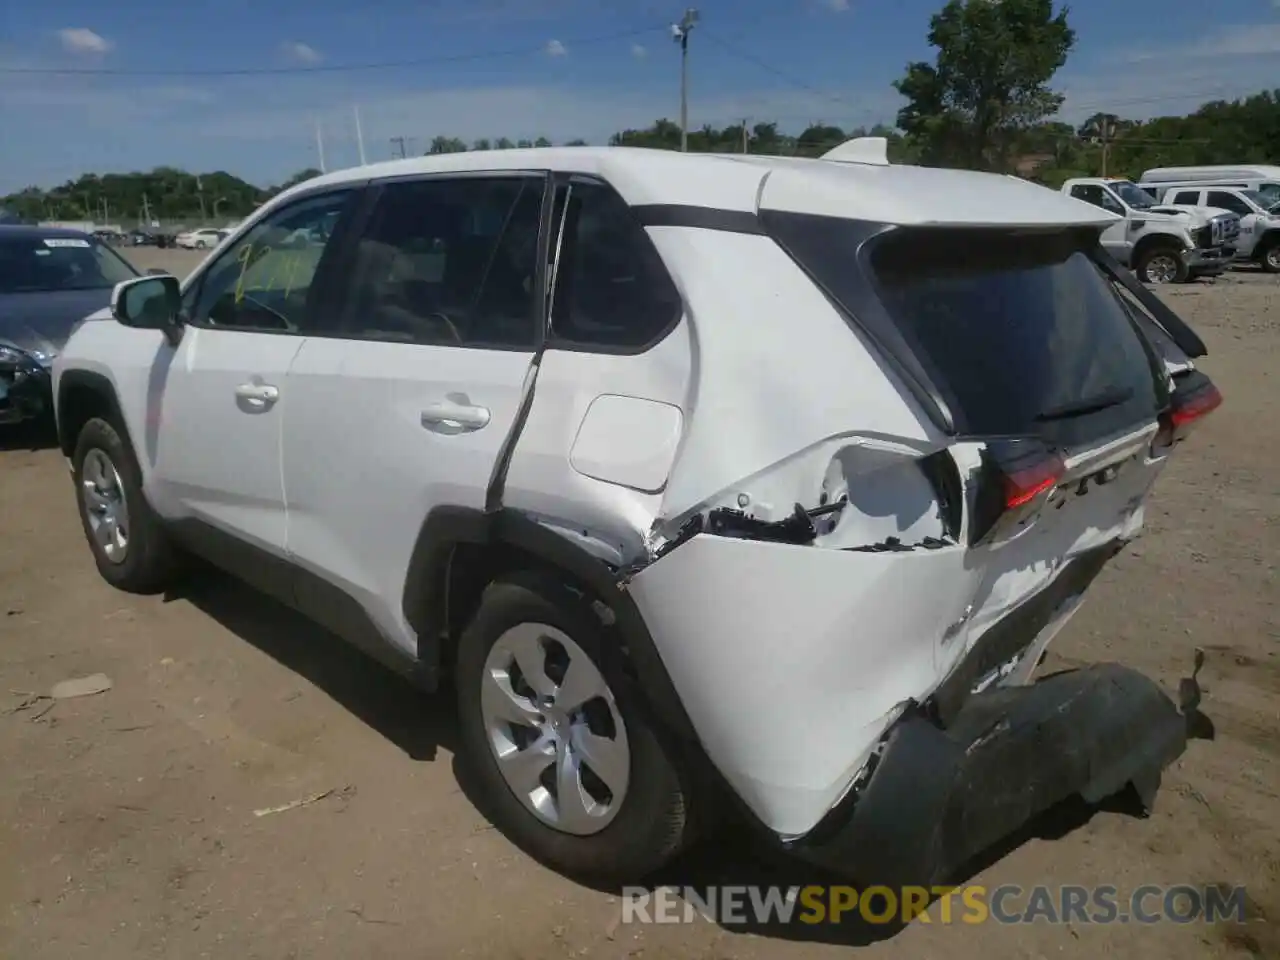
x=1161 y=243
x=1259 y=220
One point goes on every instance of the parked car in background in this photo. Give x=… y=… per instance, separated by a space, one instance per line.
x=1262 y=178
x=1259 y=223
x=502 y=428
x=205 y=238
x=50 y=279
x=1160 y=243
x=141 y=238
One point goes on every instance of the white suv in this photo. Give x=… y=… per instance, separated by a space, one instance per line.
x=699 y=477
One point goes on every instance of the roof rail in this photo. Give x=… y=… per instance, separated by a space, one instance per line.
x=872 y=150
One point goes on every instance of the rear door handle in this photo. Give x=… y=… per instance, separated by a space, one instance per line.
x=258 y=396
x=451 y=416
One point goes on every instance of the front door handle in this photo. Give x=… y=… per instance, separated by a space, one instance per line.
x=257 y=396
x=455 y=416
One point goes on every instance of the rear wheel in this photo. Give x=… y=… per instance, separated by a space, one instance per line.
x=1269 y=257
x=1161 y=264
x=127 y=539
x=566 y=762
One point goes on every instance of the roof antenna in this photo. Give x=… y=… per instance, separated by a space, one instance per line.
x=871 y=150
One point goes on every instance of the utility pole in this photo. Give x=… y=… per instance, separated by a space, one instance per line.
x=359 y=134
x=746 y=140
x=1106 y=143
x=320 y=146
x=680 y=34
x=398 y=143
x=204 y=216
x=146 y=210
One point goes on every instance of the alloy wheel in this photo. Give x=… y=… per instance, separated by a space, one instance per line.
x=1162 y=268
x=554 y=729
x=105 y=505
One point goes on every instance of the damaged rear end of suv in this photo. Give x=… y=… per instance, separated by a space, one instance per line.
x=928 y=410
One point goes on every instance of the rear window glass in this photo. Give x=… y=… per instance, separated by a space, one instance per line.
x=1021 y=332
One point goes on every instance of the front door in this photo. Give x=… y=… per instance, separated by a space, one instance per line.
x=409 y=403
x=221 y=392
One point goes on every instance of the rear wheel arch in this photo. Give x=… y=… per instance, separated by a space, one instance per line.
x=460 y=551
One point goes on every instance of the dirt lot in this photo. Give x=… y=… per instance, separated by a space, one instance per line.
x=127 y=819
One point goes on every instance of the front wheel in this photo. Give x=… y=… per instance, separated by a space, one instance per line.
x=127 y=539
x=1163 y=264
x=1269 y=257
x=562 y=752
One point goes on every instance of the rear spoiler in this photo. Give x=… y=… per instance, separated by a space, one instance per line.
x=1187 y=340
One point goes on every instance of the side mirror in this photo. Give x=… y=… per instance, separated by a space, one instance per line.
x=148 y=303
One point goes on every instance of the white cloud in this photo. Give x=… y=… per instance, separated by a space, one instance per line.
x=301 y=52
x=556 y=49
x=1232 y=40
x=82 y=40
x=639 y=51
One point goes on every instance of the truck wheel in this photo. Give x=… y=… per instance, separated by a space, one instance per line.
x=1269 y=257
x=561 y=750
x=1161 y=264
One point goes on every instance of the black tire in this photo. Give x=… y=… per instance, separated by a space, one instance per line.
x=1159 y=250
x=1269 y=256
x=654 y=821
x=150 y=562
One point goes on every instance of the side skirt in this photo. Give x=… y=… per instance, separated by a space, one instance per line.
x=328 y=606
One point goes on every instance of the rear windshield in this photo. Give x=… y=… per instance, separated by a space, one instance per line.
x=1020 y=331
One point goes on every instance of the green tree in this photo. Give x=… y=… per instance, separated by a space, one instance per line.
x=989 y=82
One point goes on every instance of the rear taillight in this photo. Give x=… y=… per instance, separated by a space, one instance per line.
x=1018 y=477
x=1194 y=397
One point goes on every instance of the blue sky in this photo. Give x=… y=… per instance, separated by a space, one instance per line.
x=568 y=68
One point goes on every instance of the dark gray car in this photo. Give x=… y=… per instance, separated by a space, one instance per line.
x=50 y=279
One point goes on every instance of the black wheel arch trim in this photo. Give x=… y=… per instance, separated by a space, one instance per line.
x=425 y=601
x=98 y=384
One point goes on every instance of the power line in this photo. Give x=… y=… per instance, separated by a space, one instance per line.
x=334 y=67
x=770 y=68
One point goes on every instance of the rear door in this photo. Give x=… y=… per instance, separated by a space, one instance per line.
x=1117 y=237
x=408 y=401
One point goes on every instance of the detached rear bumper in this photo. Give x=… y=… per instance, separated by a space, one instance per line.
x=936 y=798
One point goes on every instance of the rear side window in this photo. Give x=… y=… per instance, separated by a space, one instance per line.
x=1020 y=331
x=449 y=262
x=612 y=292
x=1191 y=197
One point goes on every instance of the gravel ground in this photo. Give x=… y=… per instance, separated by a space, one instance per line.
x=127 y=819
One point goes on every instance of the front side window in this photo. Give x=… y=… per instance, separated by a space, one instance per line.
x=612 y=291
x=1099 y=197
x=1270 y=191
x=449 y=262
x=36 y=264
x=264 y=280
x=1228 y=201
x=1133 y=195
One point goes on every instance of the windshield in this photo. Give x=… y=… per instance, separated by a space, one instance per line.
x=1256 y=198
x=1133 y=195
x=34 y=264
x=1271 y=194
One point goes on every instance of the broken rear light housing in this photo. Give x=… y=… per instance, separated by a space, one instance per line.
x=1194 y=397
x=1017 y=477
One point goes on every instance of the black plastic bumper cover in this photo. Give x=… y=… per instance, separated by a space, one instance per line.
x=937 y=798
